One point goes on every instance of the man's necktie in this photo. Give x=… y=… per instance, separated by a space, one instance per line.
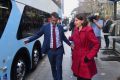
x=54 y=38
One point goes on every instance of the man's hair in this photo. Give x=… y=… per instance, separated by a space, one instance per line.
x=59 y=18
x=54 y=14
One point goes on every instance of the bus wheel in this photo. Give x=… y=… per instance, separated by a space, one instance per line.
x=19 y=69
x=35 y=57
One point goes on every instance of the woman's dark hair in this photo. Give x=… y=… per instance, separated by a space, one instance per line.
x=82 y=17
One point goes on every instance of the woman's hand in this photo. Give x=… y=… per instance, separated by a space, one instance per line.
x=86 y=60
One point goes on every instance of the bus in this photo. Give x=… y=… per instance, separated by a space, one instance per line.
x=19 y=20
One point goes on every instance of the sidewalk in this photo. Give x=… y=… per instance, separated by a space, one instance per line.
x=108 y=64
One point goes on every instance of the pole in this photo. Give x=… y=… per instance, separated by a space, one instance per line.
x=115 y=10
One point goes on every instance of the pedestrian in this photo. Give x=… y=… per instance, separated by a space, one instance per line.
x=97 y=25
x=53 y=44
x=48 y=18
x=106 y=29
x=71 y=25
x=71 y=28
x=59 y=21
x=83 y=64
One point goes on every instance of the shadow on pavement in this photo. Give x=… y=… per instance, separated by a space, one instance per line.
x=118 y=78
x=111 y=56
x=109 y=52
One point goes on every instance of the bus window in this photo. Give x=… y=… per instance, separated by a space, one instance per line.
x=31 y=21
x=5 y=8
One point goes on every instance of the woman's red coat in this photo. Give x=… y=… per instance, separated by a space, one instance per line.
x=85 y=44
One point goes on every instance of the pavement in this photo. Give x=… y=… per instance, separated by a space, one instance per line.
x=108 y=65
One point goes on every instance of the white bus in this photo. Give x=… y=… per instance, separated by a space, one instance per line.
x=20 y=19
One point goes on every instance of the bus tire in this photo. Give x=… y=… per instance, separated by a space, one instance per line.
x=19 y=69
x=36 y=56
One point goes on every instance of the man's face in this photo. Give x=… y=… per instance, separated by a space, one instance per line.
x=54 y=20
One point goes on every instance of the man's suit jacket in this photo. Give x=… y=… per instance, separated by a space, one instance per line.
x=106 y=27
x=46 y=30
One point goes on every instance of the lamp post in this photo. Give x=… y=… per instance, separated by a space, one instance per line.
x=115 y=10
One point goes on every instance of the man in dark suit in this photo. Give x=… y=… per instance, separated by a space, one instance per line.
x=106 y=29
x=53 y=44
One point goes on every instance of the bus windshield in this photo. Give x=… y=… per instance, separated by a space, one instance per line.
x=5 y=8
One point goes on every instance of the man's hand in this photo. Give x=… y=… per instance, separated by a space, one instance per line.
x=94 y=20
x=26 y=41
x=72 y=46
x=97 y=24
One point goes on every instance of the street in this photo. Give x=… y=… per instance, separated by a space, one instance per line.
x=22 y=22
x=108 y=64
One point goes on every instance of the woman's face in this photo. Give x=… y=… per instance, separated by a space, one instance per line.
x=78 y=22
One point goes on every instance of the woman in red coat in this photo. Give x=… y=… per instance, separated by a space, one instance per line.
x=86 y=46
